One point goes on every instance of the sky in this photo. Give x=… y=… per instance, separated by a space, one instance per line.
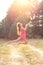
x=5 y=4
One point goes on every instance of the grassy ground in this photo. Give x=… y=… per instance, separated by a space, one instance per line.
x=22 y=54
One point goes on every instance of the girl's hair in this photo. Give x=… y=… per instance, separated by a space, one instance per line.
x=19 y=26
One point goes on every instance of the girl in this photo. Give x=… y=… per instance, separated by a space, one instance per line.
x=21 y=31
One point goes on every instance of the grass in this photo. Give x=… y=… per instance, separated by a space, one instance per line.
x=21 y=54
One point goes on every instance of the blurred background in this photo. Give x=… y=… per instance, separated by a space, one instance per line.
x=24 y=11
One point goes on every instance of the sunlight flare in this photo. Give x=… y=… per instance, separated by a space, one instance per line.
x=22 y=2
x=4 y=5
x=39 y=1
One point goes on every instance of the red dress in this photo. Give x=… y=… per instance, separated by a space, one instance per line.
x=23 y=34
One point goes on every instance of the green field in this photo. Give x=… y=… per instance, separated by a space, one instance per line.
x=21 y=54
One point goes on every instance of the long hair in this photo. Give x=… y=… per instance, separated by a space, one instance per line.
x=19 y=27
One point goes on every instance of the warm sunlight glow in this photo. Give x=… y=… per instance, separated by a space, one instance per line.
x=4 y=5
x=22 y=2
x=39 y=1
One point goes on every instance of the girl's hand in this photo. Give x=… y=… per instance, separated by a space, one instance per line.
x=26 y=26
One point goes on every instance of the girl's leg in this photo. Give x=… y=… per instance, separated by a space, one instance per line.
x=18 y=39
x=25 y=41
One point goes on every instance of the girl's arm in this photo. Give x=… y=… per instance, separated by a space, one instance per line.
x=18 y=31
x=26 y=26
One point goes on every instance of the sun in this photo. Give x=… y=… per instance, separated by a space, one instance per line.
x=22 y=2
